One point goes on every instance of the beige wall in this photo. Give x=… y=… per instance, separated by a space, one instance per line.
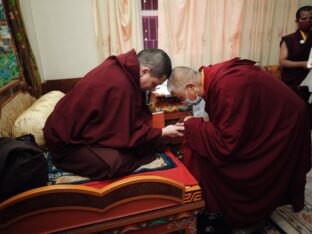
x=62 y=36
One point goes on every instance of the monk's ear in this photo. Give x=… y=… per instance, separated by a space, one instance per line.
x=190 y=86
x=144 y=70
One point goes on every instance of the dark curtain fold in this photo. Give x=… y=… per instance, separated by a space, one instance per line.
x=27 y=59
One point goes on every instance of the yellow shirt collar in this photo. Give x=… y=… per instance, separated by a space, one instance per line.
x=202 y=79
x=304 y=35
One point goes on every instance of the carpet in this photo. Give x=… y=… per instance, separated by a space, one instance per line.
x=300 y=222
x=267 y=227
x=59 y=176
x=282 y=221
x=285 y=220
x=292 y=222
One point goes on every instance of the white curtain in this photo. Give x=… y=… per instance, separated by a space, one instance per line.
x=196 y=33
x=264 y=23
x=118 y=26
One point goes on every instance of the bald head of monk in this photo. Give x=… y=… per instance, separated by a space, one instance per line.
x=186 y=84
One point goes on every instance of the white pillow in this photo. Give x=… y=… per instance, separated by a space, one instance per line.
x=33 y=119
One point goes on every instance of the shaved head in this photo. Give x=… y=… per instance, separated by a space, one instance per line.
x=180 y=77
x=157 y=60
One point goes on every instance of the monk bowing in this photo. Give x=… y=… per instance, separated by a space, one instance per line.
x=254 y=152
x=101 y=128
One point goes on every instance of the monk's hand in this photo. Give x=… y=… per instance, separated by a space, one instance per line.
x=179 y=123
x=188 y=117
x=172 y=131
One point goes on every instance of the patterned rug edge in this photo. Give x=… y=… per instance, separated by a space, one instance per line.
x=293 y=222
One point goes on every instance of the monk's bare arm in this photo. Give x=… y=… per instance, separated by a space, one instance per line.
x=285 y=62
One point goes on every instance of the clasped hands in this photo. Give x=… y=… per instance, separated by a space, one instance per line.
x=174 y=133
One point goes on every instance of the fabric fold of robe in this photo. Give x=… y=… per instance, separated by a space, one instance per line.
x=101 y=128
x=254 y=153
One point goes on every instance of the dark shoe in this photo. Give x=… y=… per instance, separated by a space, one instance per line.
x=212 y=223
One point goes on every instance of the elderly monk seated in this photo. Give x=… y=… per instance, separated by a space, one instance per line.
x=101 y=128
x=254 y=152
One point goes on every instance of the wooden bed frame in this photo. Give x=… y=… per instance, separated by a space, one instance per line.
x=150 y=202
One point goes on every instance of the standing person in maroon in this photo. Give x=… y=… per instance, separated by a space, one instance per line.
x=254 y=152
x=294 y=53
x=295 y=49
x=101 y=128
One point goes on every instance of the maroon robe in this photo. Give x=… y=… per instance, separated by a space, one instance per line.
x=101 y=128
x=255 y=152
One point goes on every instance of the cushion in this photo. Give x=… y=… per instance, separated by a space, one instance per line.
x=11 y=109
x=32 y=120
x=178 y=173
x=59 y=176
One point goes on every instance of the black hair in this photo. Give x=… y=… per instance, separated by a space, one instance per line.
x=157 y=60
x=301 y=9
